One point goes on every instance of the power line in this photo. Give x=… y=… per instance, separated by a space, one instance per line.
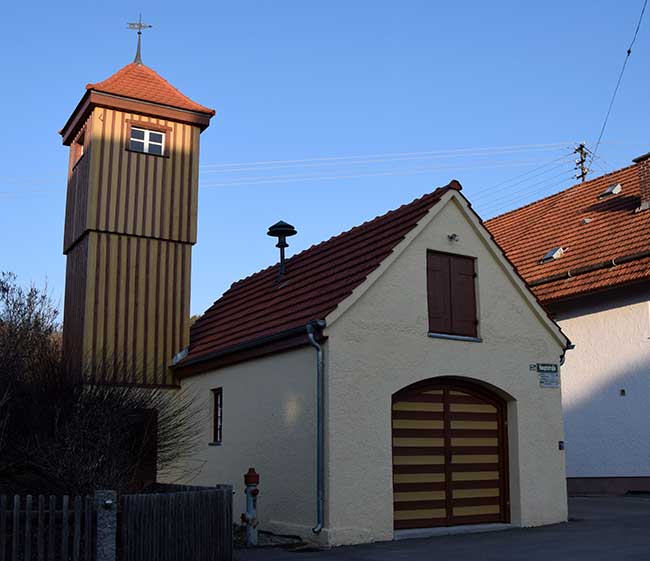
x=425 y=156
x=548 y=189
x=490 y=211
x=320 y=177
x=618 y=82
x=459 y=151
x=509 y=182
x=464 y=152
x=508 y=197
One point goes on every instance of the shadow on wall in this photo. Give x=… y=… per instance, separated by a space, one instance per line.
x=607 y=431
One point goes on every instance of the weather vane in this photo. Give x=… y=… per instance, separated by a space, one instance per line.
x=139 y=26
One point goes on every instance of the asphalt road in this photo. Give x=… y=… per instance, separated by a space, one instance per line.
x=599 y=529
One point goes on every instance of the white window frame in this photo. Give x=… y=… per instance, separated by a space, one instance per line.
x=147 y=141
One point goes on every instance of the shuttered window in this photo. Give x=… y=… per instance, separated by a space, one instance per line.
x=451 y=294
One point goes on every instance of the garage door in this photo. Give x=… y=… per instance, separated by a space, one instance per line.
x=449 y=456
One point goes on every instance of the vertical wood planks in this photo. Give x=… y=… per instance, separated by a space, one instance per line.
x=76 y=541
x=64 y=527
x=88 y=528
x=3 y=528
x=40 y=530
x=15 y=529
x=28 y=528
x=130 y=225
x=181 y=524
x=51 y=537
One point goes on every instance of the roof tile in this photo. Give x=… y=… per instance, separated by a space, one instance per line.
x=138 y=81
x=613 y=229
x=316 y=282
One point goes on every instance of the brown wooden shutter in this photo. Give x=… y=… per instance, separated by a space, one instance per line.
x=439 y=292
x=463 y=296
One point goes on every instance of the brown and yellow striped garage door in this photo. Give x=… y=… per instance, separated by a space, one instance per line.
x=449 y=456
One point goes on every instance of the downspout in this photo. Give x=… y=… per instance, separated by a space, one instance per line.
x=312 y=328
x=569 y=347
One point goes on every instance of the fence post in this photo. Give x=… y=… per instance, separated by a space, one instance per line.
x=106 y=509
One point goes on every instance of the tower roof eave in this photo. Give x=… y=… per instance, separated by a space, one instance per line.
x=137 y=88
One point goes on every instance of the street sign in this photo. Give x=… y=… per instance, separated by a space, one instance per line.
x=549 y=375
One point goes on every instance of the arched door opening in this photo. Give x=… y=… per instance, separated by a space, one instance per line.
x=450 y=455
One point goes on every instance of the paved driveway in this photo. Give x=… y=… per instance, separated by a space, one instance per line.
x=600 y=529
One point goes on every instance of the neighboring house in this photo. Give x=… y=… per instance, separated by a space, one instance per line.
x=431 y=413
x=585 y=252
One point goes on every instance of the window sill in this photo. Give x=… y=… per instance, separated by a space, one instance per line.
x=147 y=153
x=455 y=337
x=214 y=443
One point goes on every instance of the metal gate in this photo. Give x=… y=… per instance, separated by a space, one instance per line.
x=449 y=455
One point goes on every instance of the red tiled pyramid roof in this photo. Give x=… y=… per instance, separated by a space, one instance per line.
x=316 y=281
x=138 y=81
x=613 y=229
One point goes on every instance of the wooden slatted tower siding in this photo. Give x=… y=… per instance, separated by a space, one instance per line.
x=129 y=230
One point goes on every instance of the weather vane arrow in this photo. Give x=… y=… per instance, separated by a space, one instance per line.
x=139 y=26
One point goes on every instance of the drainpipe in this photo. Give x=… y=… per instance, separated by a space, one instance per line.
x=312 y=328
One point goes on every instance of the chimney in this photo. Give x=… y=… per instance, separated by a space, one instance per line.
x=643 y=165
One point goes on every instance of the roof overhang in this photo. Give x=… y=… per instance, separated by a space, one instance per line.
x=92 y=99
x=248 y=350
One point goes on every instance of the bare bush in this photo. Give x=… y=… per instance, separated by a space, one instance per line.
x=61 y=435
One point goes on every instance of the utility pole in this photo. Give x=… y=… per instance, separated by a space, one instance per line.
x=581 y=162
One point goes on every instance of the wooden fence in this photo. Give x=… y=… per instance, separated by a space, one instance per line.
x=44 y=528
x=175 y=523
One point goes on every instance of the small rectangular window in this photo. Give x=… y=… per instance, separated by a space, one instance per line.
x=451 y=294
x=217 y=415
x=147 y=141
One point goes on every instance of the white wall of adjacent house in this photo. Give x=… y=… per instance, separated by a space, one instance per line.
x=606 y=384
x=379 y=345
x=268 y=424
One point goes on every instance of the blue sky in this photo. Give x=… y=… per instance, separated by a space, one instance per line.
x=363 y=105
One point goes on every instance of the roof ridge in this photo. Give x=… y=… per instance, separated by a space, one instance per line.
x=343 y=233
x=581 y=185
x=394 y=220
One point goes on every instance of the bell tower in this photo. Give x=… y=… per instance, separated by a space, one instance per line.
x=130 y=225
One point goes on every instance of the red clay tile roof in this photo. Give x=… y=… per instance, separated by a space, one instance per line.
x=316 y=281
x=613 y=230
x=138 y=81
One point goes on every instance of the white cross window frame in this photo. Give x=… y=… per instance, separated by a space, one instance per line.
x=147 y=144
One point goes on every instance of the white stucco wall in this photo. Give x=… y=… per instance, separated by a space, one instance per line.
x=380 y=345
x=268 y=423
x=377 y=344
x=608 y=435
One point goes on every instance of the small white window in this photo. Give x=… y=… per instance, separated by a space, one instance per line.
x=149 y=142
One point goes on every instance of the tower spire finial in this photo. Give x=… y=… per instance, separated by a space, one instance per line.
x=139 y=26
